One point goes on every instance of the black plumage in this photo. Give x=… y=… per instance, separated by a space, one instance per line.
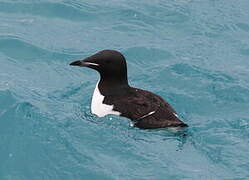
x=146 y=109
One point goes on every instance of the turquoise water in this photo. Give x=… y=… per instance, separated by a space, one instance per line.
x=193 y=53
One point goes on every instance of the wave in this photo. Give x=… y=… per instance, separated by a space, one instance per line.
x=17 y=48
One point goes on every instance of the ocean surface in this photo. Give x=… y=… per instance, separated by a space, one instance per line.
x=194 y=53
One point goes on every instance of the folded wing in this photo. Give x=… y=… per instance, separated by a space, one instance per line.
x=146 y=110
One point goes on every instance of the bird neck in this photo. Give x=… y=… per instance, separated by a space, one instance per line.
x=113 y=85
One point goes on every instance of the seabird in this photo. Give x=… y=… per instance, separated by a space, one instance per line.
x=113 y=94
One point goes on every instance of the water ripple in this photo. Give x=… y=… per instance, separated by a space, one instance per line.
x=26 y=51
x=46 y=9
x=193 y=53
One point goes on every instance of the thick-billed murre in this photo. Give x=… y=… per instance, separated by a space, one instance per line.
x=113 y=95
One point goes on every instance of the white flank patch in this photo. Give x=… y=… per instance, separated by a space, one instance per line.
x=98 y=107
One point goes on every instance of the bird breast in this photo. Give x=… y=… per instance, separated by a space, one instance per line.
x=98 y=107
